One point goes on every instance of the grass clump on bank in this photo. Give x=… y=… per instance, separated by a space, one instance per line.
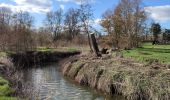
x=5 y=90
x=133 y=80
x=150 y=52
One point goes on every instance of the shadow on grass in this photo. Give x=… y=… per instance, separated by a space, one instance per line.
x=157 y=50
x=144 y=53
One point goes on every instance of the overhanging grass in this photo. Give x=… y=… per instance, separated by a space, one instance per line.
x=8 y=98
x=60 y=49
x=149 y=51
x=43 y=49
x=6 y=53
x=3 y=54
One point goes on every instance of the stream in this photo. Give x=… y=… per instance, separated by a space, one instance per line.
x=49 y=84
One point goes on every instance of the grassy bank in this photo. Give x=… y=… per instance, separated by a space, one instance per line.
x=126 y=77
x=6 y=76
x=150 y=52
x=5 y=90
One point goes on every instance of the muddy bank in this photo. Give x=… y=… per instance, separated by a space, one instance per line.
x=38 y=57
x=135 y=81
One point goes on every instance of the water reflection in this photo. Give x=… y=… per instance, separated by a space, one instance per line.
x=51 y=85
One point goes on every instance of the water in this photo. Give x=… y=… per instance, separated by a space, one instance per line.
x=49 y=84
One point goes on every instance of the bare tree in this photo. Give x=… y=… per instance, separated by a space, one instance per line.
x=54 y=22
x=133 y=18
x=86 y=15
x=139 y=21
x=43 y=37
x=72 y=22
x=22 y=23
x=5 y=18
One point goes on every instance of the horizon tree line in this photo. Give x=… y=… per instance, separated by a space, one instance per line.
x=125 y=25
x=18 y=34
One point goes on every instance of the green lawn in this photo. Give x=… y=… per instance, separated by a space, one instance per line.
x=149 y=51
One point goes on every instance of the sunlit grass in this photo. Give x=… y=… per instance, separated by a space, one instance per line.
x=5 y=90
x=59 y=49
x=45 y=49
x=3 y=54
x=149 y=51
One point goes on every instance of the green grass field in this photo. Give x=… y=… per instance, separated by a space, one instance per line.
x=148 y=52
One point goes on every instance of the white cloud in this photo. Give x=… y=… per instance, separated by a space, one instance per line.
x=62 y=7
x=42 y=3
x=95 y=23
x=34 y=6
x=159 y=13
x=64 y=0
x=77 y=1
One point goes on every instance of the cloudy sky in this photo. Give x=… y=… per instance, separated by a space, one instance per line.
x=158 y=10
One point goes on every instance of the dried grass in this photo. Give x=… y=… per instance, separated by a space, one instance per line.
x=121 y=76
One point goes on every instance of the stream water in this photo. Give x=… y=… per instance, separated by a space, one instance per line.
x=49 y=84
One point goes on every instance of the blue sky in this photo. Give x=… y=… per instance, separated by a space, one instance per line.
x=158 y=10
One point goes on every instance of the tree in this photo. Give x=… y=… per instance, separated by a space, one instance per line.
x=5 y=20
x=22 y=33
x=54 y=22
x=86 y=16
x=72 y=22
x=117 y=25
x=112 y=22
x=43 y=37
x=166 y=35
x=106 y=21
x=125 y=21
x=156 y=30
x=139 y=24
x=133 y=19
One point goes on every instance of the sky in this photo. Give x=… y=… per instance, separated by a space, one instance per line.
x=157 y=10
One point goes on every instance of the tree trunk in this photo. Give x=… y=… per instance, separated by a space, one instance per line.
x=95 y=46
x=89 y=41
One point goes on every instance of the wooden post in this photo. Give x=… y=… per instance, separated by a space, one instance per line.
x=94 y=44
